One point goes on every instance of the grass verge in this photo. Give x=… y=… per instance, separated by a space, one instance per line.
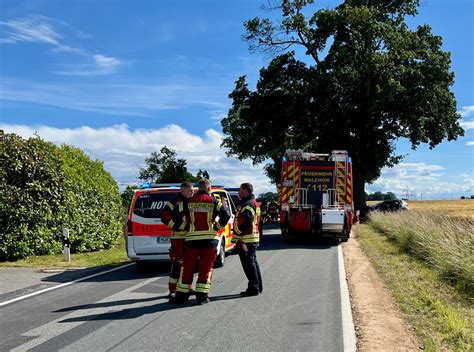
x=444 y=242
x=114 y=256
x=442 y=316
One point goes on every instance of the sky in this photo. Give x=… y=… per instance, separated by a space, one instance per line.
x=121 y=79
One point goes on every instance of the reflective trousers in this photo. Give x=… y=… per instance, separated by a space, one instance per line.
x=206 y=258
x=176 y=255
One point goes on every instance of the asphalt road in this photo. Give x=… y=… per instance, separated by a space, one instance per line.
x=299 y=310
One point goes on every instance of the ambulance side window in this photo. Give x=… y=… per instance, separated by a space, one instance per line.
x=229 y=204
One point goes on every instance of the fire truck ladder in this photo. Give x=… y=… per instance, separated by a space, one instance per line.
x=340 y=159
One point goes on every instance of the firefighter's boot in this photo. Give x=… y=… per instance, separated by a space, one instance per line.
x=180 y=298
x=202 y=298
x=249 y=293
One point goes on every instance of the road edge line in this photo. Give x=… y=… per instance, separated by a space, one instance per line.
x=20 y=298
x=348 y=330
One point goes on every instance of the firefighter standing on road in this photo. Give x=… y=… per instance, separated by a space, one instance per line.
x=177 y=238
x=272 y=210
x=246 y=234
x=201 y=241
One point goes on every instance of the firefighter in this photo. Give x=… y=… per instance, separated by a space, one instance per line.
x=201 y=241
x=273 y=210
x=263 y=212
x=246 y=235
x=176 y=250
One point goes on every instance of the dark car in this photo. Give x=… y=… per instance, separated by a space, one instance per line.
x=389 y=205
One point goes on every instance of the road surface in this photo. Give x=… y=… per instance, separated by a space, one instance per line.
x=299 y=310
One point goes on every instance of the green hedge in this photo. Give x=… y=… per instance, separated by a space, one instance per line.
x=44 y=188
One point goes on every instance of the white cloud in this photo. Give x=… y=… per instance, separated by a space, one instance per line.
x=124 y=151
x=100 y=65
x=467 y=125
x=41 y=29
x=68 y=49
x=83 y=35
x=106 y=62
x=35 y=29
x=470 y=143
x=217 y=116
x=117 y=99
x=466 y=111
x=421 y=178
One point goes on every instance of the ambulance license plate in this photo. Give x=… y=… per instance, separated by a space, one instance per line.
x=162 y=239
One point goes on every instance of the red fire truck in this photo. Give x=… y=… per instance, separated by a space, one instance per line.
x=316 y=195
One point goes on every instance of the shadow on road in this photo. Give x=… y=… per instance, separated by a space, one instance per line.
x=225 y=297
x=125 y=274
x=135 y=312
x=272 y=242
x=108 y=304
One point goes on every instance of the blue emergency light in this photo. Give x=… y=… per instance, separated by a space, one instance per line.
x=231 y=189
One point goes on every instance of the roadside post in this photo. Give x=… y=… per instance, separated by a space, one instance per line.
x=66 y=243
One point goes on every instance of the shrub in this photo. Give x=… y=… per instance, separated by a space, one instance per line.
x=93 y=202
x=44 y=188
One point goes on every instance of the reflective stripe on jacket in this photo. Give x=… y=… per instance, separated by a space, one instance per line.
x=201 y=212
x=247 y=221
x=179 y=232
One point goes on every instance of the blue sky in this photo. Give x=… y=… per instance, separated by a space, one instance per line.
x=120 y=79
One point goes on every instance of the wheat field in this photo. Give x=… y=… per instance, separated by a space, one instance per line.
x=461 y=207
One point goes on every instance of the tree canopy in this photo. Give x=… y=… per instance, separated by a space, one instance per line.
x=165 y=167
x=279 y=105
x=370 y=81
x=381 y=196
x=265 y=198
x=127 y=195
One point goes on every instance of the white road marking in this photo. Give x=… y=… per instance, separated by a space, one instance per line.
x=348 y=331
x=20 y=298
x=65 y=323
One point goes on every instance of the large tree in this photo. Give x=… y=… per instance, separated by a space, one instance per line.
x=371 y=81
x=260 y=125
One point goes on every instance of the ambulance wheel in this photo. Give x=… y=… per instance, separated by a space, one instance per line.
x=221 y=256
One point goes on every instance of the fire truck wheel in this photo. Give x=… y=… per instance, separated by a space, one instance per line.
x=221 y=256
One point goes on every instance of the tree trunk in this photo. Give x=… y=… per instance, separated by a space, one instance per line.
x=359 y=192
x=278 y=164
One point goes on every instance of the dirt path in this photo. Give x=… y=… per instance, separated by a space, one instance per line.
x=378 y=321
